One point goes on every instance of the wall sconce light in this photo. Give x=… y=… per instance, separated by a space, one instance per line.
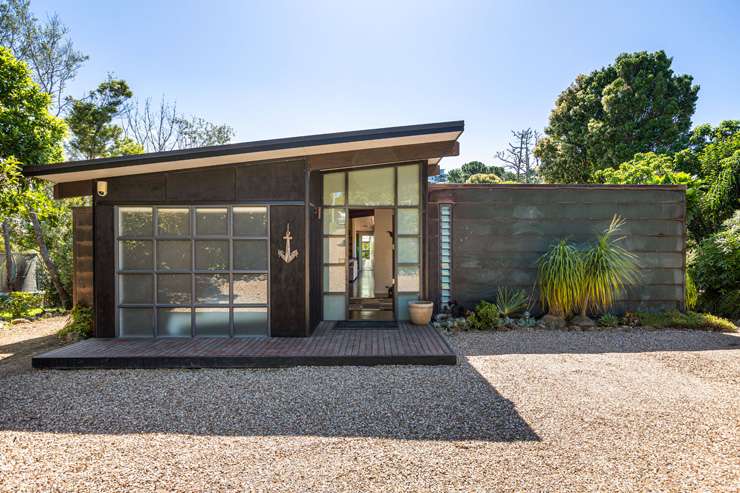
x=102 y=188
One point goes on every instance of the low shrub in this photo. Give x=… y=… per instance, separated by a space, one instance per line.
x=485 y=317
x=688 y=320
x=510 y=301
x=79 y=325
x=608 y=320
x=21 y=304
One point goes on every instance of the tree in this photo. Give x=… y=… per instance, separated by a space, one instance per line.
x=165 y=129
x=44 y=45
x=28 y=134
x=604 y=118
x=461 y=174
x=483 y=178
x=90 y=121
x=519 y=157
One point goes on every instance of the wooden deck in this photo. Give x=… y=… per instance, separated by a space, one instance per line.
x=408 y=345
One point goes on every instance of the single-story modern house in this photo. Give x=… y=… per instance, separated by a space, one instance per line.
x=270 y=238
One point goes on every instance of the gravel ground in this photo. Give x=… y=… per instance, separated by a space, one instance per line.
x=525 y=410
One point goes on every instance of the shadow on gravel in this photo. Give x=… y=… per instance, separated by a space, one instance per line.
x=594 y=342
x=15 y=357
x=413 y=403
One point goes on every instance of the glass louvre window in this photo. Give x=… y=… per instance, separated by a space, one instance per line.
x=445 y=253
x=192 y=271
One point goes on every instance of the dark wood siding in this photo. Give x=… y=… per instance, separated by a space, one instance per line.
x=82 y=253
x=287 y=281
x=499 y=232
x=104 y=268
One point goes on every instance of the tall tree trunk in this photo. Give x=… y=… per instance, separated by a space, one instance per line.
x=9 y=274
x=50 y=267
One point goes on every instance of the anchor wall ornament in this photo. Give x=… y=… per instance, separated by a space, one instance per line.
x=287 y=255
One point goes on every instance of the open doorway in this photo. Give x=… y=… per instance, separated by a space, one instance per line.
x=371 y=267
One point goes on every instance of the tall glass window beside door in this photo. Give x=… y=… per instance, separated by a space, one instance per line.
x=408 y=238
x=334 y=238
x=192 y=271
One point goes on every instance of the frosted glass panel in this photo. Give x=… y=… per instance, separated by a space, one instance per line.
x=334 y=189
x=402 y=307
x=212 y=255
x=136 y=322
x=335 y=221
x=250 y=254
x=173 y=289
x=250 y=221
x=334 y=307
x=212 y=288
x=173 y=222
x=408 y=185
x=135 y=254
x=173 y=322
x=335 y=250
x=136 y=289
x=212 y=322
x=211 y=221
x=250 y=322
x=250 y=288
x=408 y=250
x=408 y=221
x=334 y=280
x=408 y=278
x=174 y=255
x=135 y=221
x=372 y=187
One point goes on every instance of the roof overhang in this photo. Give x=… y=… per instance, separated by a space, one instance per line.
x=265 y=150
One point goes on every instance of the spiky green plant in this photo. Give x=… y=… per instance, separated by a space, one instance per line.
x=608 y=268
x=511 y=301
x=560 y=277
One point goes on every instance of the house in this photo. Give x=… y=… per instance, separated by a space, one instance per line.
x=270 y=238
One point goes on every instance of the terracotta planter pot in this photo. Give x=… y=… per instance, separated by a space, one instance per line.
x=421 y=312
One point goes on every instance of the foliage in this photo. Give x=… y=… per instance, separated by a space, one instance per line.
x=483 y=178
x=689 y=320
x=44 y=45
x=510 y=302
x=21 y=304
x=485 y=317
x=519 y=159
x=608 y=320
x=90 y=121
x=608 y=268
x=637 y=104
x=461 y=174
x=526 y=321
x=691 y=293
x=654 y=169
x=715 y=266
x=79 y=324
x=561 y=278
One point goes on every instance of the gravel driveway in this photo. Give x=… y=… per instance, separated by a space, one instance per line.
x=529 y=410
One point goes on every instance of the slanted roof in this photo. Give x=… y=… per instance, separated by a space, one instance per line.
x=260 y=150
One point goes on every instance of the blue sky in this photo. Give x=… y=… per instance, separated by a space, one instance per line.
x=285 y=68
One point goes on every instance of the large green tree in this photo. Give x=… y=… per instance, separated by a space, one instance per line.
x=637 y=104
x=90 y=121
x=29 y=134
x=461 y=174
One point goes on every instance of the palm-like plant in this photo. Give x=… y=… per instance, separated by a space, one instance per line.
x=510 y=301
x=608 y=268
x=560 y=277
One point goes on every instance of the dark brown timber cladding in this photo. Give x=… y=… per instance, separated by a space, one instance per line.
x=287 y=286
x=104 y=276
x=499 y=231
x=82 y=253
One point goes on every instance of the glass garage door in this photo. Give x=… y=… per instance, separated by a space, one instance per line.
x=192 y=271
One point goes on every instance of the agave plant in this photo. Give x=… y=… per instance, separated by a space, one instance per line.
x=510 y=301
x=560 y=277
x=608 y=268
